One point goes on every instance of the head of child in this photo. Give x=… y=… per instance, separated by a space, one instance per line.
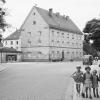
x=94 y=72
x=78 y=68
x=88 y=69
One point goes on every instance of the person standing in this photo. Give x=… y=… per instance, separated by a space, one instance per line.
x=95 y=84
x=78 y=78
x=88 y=81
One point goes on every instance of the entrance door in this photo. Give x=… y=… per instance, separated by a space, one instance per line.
x=11 y=58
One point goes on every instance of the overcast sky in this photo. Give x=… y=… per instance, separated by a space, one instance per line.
x=80 y=11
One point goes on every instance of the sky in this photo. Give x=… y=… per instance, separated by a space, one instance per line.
x=80 y=11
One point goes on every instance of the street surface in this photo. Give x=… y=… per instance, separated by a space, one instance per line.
x=37 y=81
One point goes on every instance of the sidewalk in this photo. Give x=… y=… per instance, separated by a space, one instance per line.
x=77 y=97
x=2 y=67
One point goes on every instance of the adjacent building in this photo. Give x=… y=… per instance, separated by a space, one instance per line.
x=47 y=36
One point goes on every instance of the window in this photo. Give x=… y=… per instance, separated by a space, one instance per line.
x=67 y=35
x=29 y=33
x=57 y=33
x=6 y=43
x=52 y=40
x=72 y=36
x=62 y=41
x=29 y=43
x=52 y=33
x=34 y=22
x=57 y=52
x=68 y=52
x=34 y=13
x=57 y=41
x=39 y=41
x=11 y=42
x=40 y=33
x=63 y=35
x=67 y=42
x=17 y=42
x=17 y=48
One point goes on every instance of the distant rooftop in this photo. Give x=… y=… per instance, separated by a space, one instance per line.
x=14 y=36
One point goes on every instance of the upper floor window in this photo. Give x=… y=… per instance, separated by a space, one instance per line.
x=17 y=42
x=34 y=13
x=29 y=43
x=39 y=41
x=6 y=42
x=34 y=22
x=57 y=33
x=11 y=42
x=29 y=33
x=68 y=35
x=63 y=34
x=17 y=48
x=40 y=33
x=72 y=36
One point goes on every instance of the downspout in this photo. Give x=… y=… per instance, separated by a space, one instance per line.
x=49 y=45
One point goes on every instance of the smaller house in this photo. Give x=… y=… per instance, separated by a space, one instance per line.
x=9 y=55
x=13 y=41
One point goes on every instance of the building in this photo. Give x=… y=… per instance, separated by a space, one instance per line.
x=47 y=36
x=13 y=41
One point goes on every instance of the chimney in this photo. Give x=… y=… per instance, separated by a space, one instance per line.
x=50 y=12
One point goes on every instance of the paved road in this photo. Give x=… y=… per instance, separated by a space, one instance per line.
x=36 y=81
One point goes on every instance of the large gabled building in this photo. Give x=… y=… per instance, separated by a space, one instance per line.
x=45 y=35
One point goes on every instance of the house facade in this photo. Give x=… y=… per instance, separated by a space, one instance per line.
x=13 y=41
x=47 y=36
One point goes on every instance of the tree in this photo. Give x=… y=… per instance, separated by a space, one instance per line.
x=3 y=1
x=3 y=24
x=93 y=29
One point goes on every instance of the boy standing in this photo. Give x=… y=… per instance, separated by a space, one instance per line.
x=78 y=78
x=88 y=81
x=95 y=83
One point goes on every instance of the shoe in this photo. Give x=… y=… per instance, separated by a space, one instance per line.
x=90 y=97
x=97 y=96
x=83 y=95
x=86 y=96
x=94 y=95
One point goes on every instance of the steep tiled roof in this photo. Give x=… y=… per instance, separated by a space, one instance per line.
x=58 y=21
x=14 y=36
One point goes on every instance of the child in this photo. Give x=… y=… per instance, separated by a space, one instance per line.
x=78 y=78
x=95 y=83
x=88 y=81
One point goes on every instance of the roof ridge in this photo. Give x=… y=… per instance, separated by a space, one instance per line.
x=59 y=21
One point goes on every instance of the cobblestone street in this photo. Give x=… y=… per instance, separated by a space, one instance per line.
x=36 y=81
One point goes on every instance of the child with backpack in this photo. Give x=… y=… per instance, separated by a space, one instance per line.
x=95 y=83
x=88 y=82
x=78 y=78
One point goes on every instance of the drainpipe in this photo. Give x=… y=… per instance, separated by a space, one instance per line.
x=1 y=56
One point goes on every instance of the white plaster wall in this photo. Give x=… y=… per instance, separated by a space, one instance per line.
x=40 y=25
x=14 y=45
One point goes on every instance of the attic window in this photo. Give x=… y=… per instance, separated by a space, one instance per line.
x=34 y=13
x=34 y=22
